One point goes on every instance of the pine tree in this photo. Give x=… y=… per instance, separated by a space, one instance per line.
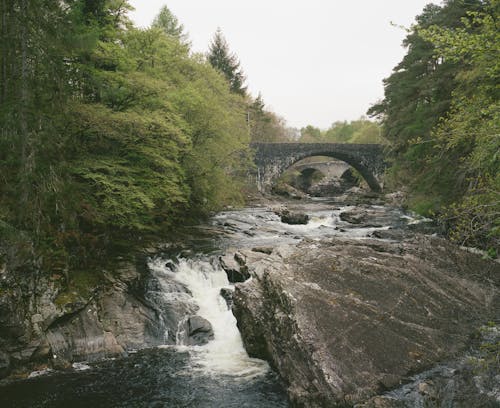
x=221 y=58
x=169 y=24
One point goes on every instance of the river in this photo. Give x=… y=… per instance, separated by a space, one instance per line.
x=219 y=374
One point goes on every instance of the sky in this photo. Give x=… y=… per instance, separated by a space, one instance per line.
x=315 y=62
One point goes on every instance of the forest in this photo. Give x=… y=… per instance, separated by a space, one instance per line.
x=441 y=117
x=110 y=134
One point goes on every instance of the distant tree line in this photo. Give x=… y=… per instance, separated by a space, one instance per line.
x=356 y=131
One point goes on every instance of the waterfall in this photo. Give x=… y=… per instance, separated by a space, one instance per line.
x=225 y=354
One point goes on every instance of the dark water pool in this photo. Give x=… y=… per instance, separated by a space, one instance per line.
x=149 y=378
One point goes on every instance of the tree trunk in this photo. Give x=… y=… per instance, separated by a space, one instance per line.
x=26 y=159
x=3 y=67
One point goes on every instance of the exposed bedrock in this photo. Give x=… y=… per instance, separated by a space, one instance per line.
x=46 y=321
x=345 y=320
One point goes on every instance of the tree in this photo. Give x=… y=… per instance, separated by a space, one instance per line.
x=169 y=24
x=108 y=133
x=221 y=58
x=339 y=132
x=310 y=134
x=468 y=138
x=417 y=95
x=441 y=115
x=265 y=126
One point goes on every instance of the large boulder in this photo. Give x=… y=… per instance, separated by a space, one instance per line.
x=295 y=218
x=346 y=320
x=291 y=217
x=195 y=331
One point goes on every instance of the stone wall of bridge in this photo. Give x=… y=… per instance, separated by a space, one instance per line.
x=272 y=159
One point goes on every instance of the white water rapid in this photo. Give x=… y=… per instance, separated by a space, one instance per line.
x=225 y=354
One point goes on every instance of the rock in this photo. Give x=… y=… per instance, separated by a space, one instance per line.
x=286 y=190
x=227 y=294
x=396 y=199
x=425 y=227
x=326 y=188
x=368 y=216
x=42 y=352
x=345 y=320
x=294 y=218
x=394 y=234
x=234 y=266
x=382 y=402
x=59 y=364
x=263 y=250
x=4 y=364
x=197 y=331
x=427 y=389
x=355 y=216
x=43 y=317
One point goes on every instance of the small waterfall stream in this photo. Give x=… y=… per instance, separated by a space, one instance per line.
x=225 y=354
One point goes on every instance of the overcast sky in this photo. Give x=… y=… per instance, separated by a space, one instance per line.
x=315 y=61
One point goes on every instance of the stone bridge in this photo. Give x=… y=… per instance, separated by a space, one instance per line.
x=272 y=159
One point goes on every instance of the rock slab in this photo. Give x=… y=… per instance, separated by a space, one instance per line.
x=345 y=320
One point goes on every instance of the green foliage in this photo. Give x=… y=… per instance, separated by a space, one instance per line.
x=356 y=131
x=264 y=125
x=310 y=134
x=362 y=131
x=109 y=133
x=169 y=24
x=448 y=152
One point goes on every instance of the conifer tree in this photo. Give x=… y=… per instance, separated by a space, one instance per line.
x=168 y=22
x=226 y=62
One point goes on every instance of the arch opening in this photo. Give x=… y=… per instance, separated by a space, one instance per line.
x=328 y=174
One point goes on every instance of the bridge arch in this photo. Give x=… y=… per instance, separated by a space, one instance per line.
x=272 y=159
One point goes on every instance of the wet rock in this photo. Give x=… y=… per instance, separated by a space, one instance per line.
x=286 y=190
x=59 y=363
x=264 y=250
x=368 y=216
x=227 y=294
x=234 y=266
x=4 y=364
x=355 y=216
x=46 y=316
x=199 y=331
x=393 y=234
x=294 y=218
x=343 y=321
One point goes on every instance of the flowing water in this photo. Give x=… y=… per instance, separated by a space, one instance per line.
x=219 y=374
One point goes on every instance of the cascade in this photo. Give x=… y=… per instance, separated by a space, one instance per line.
x=225 y=354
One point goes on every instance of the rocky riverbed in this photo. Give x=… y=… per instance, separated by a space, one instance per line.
x=350 y=304
x=367 y=307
